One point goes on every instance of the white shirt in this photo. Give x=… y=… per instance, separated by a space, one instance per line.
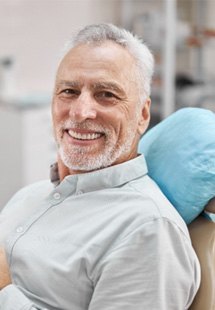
x=104 y=240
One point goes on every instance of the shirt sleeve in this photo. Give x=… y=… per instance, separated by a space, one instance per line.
x=11 y=298
x=153 y=268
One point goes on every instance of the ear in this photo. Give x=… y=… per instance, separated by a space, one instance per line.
x=144 y=116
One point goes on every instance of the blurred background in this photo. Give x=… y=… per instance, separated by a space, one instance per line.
x=181 y=34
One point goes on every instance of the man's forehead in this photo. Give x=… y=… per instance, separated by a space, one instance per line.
x=104 y=48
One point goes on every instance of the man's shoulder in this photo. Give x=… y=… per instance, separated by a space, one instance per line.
x=155 y=203
x=39 y=186
x=36 y=189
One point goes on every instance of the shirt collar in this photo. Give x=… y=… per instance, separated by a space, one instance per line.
x=109 y=177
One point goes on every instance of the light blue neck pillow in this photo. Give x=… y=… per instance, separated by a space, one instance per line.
x=180 y=154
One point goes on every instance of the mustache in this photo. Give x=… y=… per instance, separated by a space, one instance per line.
x=87 y=125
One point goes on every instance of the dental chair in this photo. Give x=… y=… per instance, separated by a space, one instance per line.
x=202 y=232
x=180 y=154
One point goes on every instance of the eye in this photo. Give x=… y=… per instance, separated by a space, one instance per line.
x=106 y=95
x=69 y=91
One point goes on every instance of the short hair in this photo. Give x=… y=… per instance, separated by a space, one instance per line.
x=99 y=33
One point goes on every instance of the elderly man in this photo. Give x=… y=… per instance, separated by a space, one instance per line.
x=102 y=236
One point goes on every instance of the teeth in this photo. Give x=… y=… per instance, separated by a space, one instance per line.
x=88 y=136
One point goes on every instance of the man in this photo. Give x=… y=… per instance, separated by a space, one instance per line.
x=104 y=237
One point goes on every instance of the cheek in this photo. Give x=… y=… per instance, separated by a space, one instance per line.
x=57 y=119
x=119 y=119
x=114 y=121
x=129 y=125
x=59 y=112
x=119 y=128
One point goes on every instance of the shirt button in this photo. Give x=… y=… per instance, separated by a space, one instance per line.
x=19 y=229
x=79 y=192
x=56 y=196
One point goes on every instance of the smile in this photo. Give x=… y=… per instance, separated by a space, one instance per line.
x=84 y=136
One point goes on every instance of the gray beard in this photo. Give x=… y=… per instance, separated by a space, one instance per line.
x=79 y=158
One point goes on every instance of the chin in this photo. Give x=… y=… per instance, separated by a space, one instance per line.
x=84 y=161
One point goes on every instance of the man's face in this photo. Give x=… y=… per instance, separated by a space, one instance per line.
x=97 y=115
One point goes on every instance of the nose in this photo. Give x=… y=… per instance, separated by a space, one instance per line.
x=83 y=108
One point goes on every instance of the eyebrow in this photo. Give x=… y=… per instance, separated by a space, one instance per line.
x=108 y=85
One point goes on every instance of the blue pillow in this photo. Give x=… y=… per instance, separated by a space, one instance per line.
x=180 y=154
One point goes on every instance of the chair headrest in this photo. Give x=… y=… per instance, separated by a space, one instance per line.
x=180 y=154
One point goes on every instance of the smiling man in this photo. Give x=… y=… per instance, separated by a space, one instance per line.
x=98 y=112
x=101 y=236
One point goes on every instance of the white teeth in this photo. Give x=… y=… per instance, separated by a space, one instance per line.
x=88 y=136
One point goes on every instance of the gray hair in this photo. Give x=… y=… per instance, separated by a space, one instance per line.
x=98 y=33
